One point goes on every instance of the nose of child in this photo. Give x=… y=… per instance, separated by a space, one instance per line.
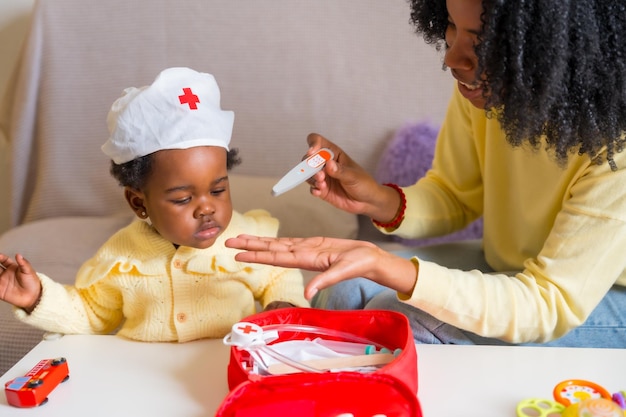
x=203 y=210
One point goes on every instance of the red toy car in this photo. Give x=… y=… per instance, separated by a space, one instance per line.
x=33 y=388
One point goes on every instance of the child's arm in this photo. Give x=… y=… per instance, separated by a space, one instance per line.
x=284 y=288
x=19 y=283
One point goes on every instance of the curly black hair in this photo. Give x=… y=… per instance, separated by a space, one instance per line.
x=553 y=70
x=135 y=173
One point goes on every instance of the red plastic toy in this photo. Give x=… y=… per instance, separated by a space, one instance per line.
x=32 y=389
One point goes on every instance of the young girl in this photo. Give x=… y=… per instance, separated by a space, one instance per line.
x=532 y=141
x=167 y=276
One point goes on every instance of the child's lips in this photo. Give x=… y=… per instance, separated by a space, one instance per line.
x=208 y=230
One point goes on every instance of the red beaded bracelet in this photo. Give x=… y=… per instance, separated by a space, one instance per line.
x=393 y=224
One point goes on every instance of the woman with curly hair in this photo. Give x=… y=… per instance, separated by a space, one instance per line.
x=532 y=141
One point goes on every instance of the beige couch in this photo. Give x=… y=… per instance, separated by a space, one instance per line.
x=352 y=70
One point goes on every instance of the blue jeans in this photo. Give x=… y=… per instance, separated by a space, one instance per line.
x=605 y=327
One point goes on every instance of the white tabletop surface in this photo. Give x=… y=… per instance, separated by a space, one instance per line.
x=110 y=376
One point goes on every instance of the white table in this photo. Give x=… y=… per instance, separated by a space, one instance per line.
x=111 y=376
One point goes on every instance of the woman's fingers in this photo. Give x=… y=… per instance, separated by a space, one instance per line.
x=304 y=253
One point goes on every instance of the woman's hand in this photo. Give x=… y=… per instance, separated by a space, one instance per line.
x=347 y=186
x=19 y=283
x=337 y=259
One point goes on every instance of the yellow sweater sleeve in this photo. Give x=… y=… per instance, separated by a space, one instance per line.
x=562 y=227
x=70 y=310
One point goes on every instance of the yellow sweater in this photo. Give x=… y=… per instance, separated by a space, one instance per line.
x=564 y=228
x=155 y=292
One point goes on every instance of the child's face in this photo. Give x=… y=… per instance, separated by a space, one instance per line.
x=464 y=26
x=187 y=195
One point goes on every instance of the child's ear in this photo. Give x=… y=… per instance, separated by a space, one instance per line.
x=135 y=200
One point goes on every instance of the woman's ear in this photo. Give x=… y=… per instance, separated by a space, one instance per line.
x=135 y=200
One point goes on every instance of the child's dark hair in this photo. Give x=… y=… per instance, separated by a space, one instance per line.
x=135 y=173
x=553 y=68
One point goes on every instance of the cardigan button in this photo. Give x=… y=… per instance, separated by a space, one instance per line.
x=181 y=317
x=178 y=264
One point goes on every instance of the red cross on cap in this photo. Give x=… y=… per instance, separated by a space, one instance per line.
x=189 y=98
x=247 y=329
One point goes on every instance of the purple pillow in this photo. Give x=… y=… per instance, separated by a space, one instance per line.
x=406 y=159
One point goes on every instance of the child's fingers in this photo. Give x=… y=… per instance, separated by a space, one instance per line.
x=5 y=261
x=23 y=264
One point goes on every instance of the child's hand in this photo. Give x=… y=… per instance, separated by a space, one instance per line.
x=275 y=305
x=19 y=283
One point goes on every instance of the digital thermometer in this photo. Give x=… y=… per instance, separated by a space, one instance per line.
x=303 y=171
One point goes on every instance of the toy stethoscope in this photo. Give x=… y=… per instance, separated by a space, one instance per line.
x=575 y=398
x=255 y=340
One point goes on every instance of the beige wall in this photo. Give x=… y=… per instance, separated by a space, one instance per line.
x=14 y=18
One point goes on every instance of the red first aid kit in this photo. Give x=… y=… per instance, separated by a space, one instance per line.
x=388 y=391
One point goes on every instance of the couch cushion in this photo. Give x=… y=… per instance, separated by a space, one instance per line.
x=58 y=246
x=355 y=80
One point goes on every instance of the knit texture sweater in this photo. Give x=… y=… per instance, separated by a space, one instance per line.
x=561 y=229
x=143 y=287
